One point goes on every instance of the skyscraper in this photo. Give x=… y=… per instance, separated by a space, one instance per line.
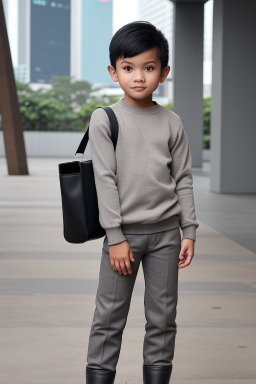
x=49 y=39
x=44 y=39
x=97 y=25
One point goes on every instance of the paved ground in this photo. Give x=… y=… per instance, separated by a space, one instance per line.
x=48 y=287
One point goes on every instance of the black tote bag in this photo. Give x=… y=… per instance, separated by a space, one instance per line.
x=80 y=209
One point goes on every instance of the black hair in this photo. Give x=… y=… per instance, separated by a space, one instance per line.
x=137 y=37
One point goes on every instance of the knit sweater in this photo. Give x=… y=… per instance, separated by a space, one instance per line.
x=145 y=185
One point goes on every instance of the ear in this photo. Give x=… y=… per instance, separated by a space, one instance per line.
x=112 y=73
x=164 y=74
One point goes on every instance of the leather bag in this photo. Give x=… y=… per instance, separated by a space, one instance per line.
x=80 y=209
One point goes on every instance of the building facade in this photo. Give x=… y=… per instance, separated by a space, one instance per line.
x=97 y=26
x=49 y=40
x=43 y=42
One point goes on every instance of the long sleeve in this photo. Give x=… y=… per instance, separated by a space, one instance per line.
x=181 y=171
x=104 y=167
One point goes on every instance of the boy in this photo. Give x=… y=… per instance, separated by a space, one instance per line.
x=145 y=194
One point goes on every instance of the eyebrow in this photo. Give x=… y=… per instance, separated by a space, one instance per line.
x=147 y=62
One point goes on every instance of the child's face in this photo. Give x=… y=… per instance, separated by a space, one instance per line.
x=139 y=76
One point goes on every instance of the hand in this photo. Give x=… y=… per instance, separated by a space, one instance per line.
x=120 y=256
x=186 y=252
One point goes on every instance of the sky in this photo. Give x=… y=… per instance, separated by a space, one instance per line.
x=125 y=11
x=12 y=33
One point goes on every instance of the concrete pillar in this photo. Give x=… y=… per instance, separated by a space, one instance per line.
x=233 y=118
x=188 y=71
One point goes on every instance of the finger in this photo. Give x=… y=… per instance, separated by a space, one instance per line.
x=129 y=267
x=182 y=254
x=123 y=268
x=118 y=267
x=131 y=256
x=185 y=263
x=113 y=265
x=181 y=262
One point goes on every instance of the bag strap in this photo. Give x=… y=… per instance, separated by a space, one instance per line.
x=113 y=127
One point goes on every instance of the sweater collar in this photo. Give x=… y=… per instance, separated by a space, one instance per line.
x=140 y=110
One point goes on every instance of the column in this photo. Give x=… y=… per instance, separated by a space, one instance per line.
x=233 y=121
x=188 y=72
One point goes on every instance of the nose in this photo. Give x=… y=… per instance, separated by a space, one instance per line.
x=139 y=77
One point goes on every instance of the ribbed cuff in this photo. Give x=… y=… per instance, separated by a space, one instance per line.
x=189 y=232
x=115 y=235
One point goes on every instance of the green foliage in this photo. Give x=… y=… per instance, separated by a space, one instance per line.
x=72 y=93
x=169 y=106
x=207 y=102
x=67 y=106
x=88 y=108
x=41 y=110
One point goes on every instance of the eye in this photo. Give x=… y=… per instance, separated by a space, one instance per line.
x=150 y=67
x=127 y=67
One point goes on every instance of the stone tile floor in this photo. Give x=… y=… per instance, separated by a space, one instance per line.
x=48 y=287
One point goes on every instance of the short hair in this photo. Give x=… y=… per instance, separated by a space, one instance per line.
x=137 y=37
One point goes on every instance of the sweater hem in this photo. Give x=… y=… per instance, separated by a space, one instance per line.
x=139 y=228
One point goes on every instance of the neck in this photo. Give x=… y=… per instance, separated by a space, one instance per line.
x=145 y=103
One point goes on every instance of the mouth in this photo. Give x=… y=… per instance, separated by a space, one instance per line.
x=139 y=89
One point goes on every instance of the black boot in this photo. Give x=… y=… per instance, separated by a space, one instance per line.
x=157 y=374
x=99 y=376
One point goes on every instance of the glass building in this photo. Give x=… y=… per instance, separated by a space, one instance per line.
x=97 y=22
x=49 y=40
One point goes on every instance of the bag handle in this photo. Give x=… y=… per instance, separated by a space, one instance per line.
x=114 y=133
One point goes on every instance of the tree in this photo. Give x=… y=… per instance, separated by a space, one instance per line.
x=207 y=105
x=66 y=107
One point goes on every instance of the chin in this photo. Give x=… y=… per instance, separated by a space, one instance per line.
x=139 y=95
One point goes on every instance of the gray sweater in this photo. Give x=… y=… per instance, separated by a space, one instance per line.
x=146 y=185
